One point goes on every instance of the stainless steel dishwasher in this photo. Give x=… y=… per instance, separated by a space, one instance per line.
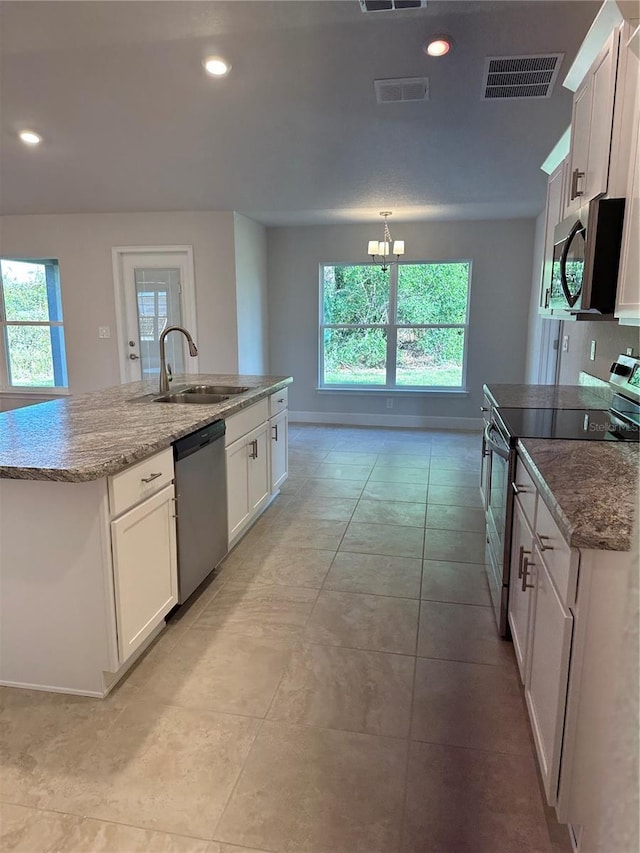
x=201 y=503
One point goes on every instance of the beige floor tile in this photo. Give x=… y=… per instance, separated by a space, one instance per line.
x=375 y=574
x=330 y=488
x=411 y=492
x=164 y=768
x=346 y=689
x=459 y=583
x=96 y=836
x=318 y=791
x=233 y=848
x=388 y=539
x=328 y=509
x=461 y=632
x=396 y=459
x=393 y=512
x=307 y=456
x=374 y=622
x=27 y=830
x=35 y=729
x=218 y=672
x=454 y=545
x=470 y=801
x=303 y=532
x=340 y=471
x=259 y=611
x=393 y=474
x=455 y=495
x=453 y=479
x=465 y=518
x=287 y=566
x=351 y=457
x=469 y=463
x=292 y=485
x=489 y=708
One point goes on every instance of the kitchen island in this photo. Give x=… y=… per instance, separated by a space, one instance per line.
x=88 y=566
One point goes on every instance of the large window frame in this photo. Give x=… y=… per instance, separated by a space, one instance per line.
x=391 y=328
x=60 y=384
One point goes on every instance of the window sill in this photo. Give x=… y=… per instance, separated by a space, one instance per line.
x=34 y=392
x=432 y=392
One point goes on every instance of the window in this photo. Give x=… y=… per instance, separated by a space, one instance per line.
x=405 y=328
x=32 y=336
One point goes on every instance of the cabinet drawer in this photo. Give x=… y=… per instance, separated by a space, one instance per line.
x=140 y=481
x=246 y=420
x=278 y=401
x=560 y=560
x=525 y=491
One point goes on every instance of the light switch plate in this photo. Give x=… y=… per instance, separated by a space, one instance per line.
x=104 y=332
x=592 y=351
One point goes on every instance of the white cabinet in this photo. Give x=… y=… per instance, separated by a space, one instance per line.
x=279 y=429
x=248 y=477
x=143 y=543
x=628 y=301
x=258 y=468
x=520 y=597
x=591 y=128
x=556 y=191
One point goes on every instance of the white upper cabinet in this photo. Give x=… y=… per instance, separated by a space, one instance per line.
x=591 y=128
x=556 y=190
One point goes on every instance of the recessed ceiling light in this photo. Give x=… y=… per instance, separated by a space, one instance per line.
x=30 y=137
x=438 y=45
x=216 y=66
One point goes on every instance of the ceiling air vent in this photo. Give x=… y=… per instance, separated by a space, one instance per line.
x=391 y=5
x=402 y=89
x=514 y=77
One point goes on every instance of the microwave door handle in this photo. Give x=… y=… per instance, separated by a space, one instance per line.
x=495 y=447
x=571 y=298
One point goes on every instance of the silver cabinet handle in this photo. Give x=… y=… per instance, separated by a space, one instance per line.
x=281 y=400
x=485 y=409
x=133 y=356
x=275 y=434
x=151 y=477
x=541 y=544
x=518 y=488
x=254 y=452
x=576 y=175
x=525 y=572
x=547 y=294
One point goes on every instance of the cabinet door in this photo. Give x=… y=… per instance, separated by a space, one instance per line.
x=143 y=543
x=520 y=599
x=258 y=453
x=548 y=675
x=580 y=129
x=554 y=210
x=238 y=506
x=603 y=73
x=279 y=449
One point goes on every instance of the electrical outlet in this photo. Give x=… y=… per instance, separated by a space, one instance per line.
x=592 y=351
x=565 y=343
x=629 y=350
x=389 y=403
x=104 y=332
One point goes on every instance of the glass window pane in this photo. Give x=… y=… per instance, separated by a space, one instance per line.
x=31 y=291
x=35 y=356
x=430 y=357
x=355 y=294
x=433 y=293
x=355 y=356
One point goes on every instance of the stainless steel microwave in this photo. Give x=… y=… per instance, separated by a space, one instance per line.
x=586 y=257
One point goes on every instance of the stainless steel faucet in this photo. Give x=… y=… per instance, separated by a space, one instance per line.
x=193 y=351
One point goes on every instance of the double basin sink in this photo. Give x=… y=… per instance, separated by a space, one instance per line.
x=200 y=394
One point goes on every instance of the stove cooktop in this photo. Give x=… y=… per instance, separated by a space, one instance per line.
x=583 y=424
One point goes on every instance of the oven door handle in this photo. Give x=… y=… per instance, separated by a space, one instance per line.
x=498 y=449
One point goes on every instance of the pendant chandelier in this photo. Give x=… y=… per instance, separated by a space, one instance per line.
x=379 y=249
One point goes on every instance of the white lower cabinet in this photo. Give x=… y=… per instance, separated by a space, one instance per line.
x=279 y=429
x=143 y=543
x=548 y=672
x=248 y=484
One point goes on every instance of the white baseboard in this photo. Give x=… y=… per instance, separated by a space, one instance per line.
x=404 y=421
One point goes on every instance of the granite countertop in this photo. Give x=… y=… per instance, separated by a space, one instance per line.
x=549 y=396
x=590 y=488
x=89 y=436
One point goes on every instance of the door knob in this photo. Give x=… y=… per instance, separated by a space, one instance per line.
x=133 y=356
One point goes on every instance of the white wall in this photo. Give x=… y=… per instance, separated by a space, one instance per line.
x=501 y=252
x=83 y=243
x=251 y=295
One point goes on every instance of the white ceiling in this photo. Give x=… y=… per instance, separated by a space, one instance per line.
x=294 y=135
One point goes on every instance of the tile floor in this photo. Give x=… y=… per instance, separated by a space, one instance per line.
x=338 y=687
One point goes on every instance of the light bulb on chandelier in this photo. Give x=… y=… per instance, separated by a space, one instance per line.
x=379 y=249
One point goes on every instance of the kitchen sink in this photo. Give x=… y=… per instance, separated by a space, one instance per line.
x=191 y=396
x=215 y=389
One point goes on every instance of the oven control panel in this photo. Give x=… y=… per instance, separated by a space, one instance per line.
x=625 y=375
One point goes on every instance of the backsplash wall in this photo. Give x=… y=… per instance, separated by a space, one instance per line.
x=611 y=340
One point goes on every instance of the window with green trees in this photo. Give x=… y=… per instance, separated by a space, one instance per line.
x=32 y=353
x=404 y=328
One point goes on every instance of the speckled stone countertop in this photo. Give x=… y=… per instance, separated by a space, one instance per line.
x=89 y=436
x=590 y=488
x=549 y=396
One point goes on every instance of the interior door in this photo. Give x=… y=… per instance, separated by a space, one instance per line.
x=152 y=298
